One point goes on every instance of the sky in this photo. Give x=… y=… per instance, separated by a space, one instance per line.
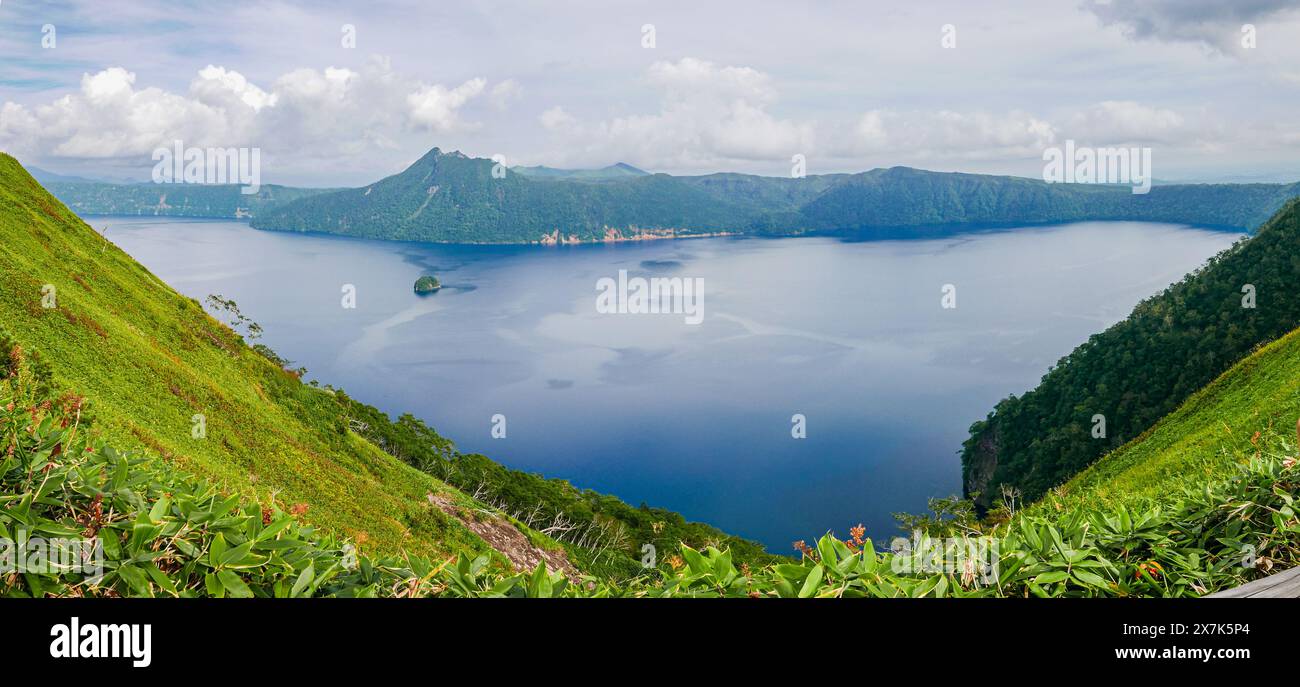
x=344 y=93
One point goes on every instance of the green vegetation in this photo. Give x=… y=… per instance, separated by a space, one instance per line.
x=174 y=200
x=1238 y=417
x=600 y=533
x=171 y=380
x=453 y=198
x=876 y=202
x=165 y=533
x=448 y=197
x=1142 y=368
x=198 y=463
x=610 y=173
x=427 y=284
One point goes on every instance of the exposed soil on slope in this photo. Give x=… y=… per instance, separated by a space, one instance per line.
x=502 y=535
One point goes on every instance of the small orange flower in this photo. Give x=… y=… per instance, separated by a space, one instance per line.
x=1150 y=568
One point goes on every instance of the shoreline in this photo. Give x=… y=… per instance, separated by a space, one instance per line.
x=614 y=236
x=617 y=236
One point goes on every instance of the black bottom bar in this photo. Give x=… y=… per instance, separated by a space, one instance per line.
x=291 y=637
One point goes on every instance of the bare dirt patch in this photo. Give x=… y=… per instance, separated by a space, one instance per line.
x=502 y=535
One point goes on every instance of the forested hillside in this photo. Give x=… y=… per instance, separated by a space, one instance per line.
x=903 y=197
x=1142 y=368
x=448 y=197
x=1247 y=412
x=173 y=200
x=611 y=173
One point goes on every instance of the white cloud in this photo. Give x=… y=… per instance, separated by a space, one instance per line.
x=557 y=119
x=505 y=93
x=708 y=116
x=891 y=137
x=1114 y=122
x=217 y=86
x=767 y=89
x=435 y=107
x=307 y=114
x=109 y=117
x=946 y=134
x=691 y=78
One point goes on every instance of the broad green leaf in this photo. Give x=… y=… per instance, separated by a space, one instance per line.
x=810 y=585
x=1051 y=577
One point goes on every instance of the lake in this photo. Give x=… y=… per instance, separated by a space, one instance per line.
x=853 y=336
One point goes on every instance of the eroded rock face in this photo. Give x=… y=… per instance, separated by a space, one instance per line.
x=979 y=467
x=502 y=535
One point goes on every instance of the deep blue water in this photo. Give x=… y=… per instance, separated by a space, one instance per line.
x=696 y=418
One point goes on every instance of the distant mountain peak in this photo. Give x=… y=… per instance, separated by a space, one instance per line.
x=628 y=168
x=616 y=171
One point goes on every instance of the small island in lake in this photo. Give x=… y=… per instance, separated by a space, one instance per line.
x=427 y=284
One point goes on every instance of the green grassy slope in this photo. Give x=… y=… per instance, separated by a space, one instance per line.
x=150 y=359
x=1142 y=368
x=1250 y=409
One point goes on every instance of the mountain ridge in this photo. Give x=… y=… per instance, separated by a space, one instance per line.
x=454 y=198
